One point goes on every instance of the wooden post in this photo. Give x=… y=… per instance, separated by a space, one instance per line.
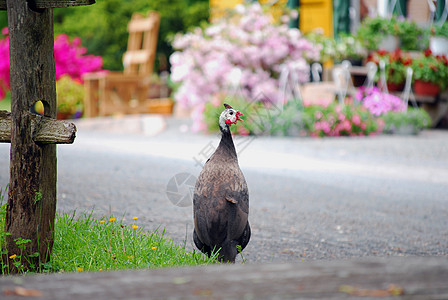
x=32 y=189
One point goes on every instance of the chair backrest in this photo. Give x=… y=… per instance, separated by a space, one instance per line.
x=140 y=55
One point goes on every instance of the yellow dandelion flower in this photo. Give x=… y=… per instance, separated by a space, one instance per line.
x=154 y=248
x=100 y=269
x=102 y=221
x=111 y=219
x=80 y=269
x=13 y=256
x=134 y=226
x=135 y=218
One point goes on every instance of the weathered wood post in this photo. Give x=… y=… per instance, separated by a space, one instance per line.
x=33 y=171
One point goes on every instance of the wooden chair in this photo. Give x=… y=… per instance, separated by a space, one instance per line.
x=110 y=93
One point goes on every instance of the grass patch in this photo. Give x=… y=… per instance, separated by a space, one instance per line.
x=5 y=104
x=87 y=244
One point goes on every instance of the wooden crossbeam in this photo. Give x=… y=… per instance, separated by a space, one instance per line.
x=45 y=130
x=41 y=4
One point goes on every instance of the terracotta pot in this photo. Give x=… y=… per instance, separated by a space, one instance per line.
x=425 y=88
x=395 y=87
x=63 y=116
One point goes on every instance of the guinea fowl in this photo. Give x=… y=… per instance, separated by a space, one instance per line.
x=221 y=198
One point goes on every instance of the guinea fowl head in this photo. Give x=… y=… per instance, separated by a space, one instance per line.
x=228 y=117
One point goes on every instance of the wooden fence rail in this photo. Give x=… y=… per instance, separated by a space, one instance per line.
x=394 y=277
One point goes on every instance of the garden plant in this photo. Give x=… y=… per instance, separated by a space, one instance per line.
x=84 y=243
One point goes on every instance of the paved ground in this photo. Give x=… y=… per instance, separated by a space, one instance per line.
x=310 y=198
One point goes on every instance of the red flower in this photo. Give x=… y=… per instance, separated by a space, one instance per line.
x=407 y=61
x=428 y=52
x=382 y=52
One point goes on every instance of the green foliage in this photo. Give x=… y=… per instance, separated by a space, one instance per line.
x=88 y=244
x=3 y=19
x=294 y=119
x=102 y=26
x=396 y=65
x=430 y=68
x=412 y=121
x=411 y=36
x=373 y=30
x=441 y=30
x=94 y=245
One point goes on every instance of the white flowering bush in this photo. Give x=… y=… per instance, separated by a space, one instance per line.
x=244 y=49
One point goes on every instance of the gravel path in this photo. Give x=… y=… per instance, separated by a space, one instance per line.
x=310 y=198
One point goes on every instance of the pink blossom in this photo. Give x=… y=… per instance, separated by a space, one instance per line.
x=69 y=58
x=205 y=61
x=356 y=119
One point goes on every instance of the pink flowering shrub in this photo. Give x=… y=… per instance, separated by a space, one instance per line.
x=379 y=103
x=4 y=64
x=295 y=120
x=70 y=59
x=244 y=49
x=337 y=120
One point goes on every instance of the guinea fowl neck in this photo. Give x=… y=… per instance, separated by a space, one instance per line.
x=226 y=145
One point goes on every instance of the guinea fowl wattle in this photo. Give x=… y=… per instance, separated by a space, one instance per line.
x=221 y=198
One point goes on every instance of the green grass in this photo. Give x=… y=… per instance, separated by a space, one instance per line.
x=87 y=244
x=5 y=104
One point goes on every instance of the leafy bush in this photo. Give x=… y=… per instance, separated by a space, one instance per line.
x=70 y=59
x=70 y=96
x=431 y=68
x=244 y=49
x=441 y=30
x=396 y=64
x=103 y=26
x=294 y=119
x=412 y=121
x=373 y=30
x=371 y=113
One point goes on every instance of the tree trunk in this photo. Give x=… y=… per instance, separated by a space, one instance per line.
x=32 y=190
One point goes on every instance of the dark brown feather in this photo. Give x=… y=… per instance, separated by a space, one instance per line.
x=221 y=203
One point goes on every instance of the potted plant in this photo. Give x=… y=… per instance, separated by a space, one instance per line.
x=349 y=47
x=438 y=41
x=396 y=65
x=430 y=73
x=379 y=33
x=408 y=122
x=410 y=35
x=70 y=96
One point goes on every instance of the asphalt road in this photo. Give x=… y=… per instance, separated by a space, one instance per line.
x=310 y=199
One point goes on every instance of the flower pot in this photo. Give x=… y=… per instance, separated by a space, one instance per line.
x=438 y=45
x=407 y=129
x=63 y=115
x=395 y=87
x=425 y=88
x=389 y=43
